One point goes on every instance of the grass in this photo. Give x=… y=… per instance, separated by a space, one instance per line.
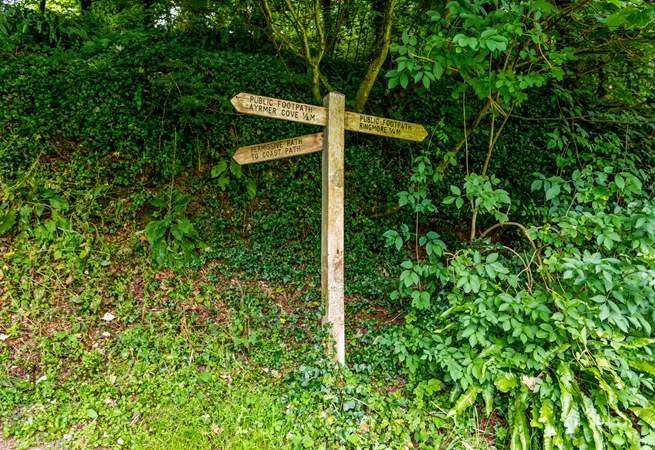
x=102 y=349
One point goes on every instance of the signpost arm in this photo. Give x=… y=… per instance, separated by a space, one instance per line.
x=332 y=274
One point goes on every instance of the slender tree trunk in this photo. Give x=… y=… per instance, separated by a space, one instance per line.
x=379 y=56
x=326 y=10
x=332 y=31
x=377 y=21
x=42 y=6
x=316 y=82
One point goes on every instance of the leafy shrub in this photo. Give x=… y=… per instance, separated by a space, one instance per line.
x=172 y=238
x=559 y=330
x=25 y=28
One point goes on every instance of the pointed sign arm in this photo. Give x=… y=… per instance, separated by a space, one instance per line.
x=317 y=115
x=283 y=148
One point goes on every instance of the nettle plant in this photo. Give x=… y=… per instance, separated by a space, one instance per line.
x=558 y=331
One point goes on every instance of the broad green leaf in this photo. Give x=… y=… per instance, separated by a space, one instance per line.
x=404 y=80
x=488 y=396
x=612 y=395
x=155 y=230
x=186 y=227
x=520 y=434
x=235 y=169
x=464 y=401
x=642 y=366
x=7 y=221
x=223 y=181
x=553 y=192
x=547 y=420
x=647 y=414
x=437 y=70
x=570 y=413
x=594 y=421
x=219 y=169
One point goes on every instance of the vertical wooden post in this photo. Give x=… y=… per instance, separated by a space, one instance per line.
x=332 y=280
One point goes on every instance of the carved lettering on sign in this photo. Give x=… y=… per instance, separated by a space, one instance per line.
x=279 y=149
x=278 y=108
x=317 y=115
x=385 y=127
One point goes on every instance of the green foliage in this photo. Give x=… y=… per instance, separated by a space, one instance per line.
x=563 y=329
x=485 y=44
x=22 y=28
x=480 y=194
x=115 y=144
x=173 y=239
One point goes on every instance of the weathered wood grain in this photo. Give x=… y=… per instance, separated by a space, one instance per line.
x=332 y=281
x=283 y=148
x=317 y=115
x=279 y=109
x=381 y=126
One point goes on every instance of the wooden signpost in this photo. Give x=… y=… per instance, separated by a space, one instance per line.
x=334 y=117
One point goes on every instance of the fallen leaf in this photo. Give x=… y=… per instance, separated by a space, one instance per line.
x=108 y=317
x=4 y=337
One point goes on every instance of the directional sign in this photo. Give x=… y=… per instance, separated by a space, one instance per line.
x=279 y=109
x=317 y=115
x=279 y=149
x=334 y=117
x=385 y=127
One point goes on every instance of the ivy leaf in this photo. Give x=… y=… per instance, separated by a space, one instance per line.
x=496 y=43
x=536 y=185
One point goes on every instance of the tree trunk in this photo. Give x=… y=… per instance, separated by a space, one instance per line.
x=42 y=6
x=379 y=56
x=316 y=81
